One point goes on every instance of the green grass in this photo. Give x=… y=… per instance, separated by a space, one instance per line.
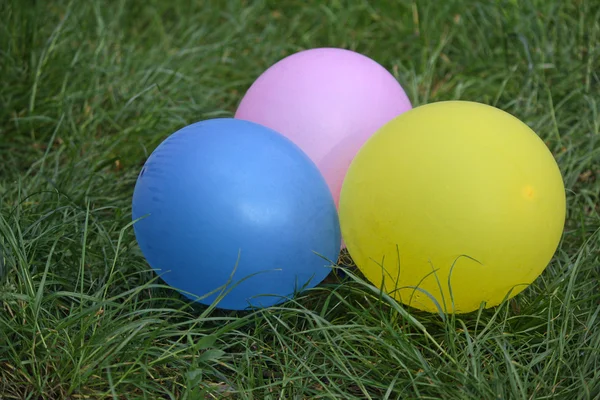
x=89 y=88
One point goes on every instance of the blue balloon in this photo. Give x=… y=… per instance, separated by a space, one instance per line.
x=226 y=194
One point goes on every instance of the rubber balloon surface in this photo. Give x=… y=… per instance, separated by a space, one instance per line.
x=328 y=101
x=453 y=204
x=224 y=195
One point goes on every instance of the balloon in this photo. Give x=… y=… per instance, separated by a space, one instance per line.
x=224 y=188
x=328 y=101
x=454 y=195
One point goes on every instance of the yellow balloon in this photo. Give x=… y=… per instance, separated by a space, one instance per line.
x=453 y=204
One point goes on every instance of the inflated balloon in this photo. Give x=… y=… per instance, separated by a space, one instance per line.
x=227 y=195
x=453 y=204
x=328 y=101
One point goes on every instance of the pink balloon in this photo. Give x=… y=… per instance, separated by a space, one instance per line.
x=328 y=101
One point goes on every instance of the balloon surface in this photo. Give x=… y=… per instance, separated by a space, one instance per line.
x=328 y=101
x=458 y=199
x=224 y=188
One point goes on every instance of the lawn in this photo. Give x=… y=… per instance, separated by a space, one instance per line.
x=89 y=88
